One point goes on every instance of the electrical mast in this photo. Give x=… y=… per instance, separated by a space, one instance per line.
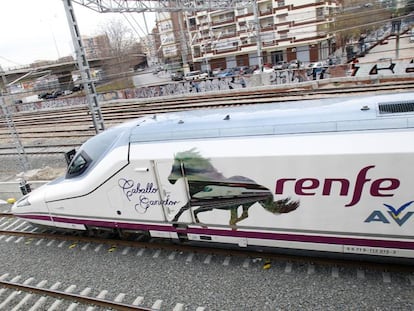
x=87 y=82
x=8 y=117
x=132 y=6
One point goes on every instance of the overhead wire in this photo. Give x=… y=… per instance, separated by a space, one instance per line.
x=345 y=17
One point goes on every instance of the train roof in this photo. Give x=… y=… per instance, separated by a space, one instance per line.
x=362 y=113
x=303 y=116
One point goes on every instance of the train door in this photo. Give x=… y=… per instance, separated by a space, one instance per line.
x=174 y=194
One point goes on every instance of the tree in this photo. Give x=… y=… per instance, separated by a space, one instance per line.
x=409 y=7
x=356 y=19
x=123 y=48
x=121 y=38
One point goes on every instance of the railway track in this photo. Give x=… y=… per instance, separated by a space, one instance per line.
x=54 y=128
x=20 y=229
x=37 y=297
x=127 y=109
x=137 y=107
x=27 y=292
x=77 y=243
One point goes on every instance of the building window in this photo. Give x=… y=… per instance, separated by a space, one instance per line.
x=276 y=56
x=241 y=11
x=320 y=13
x=192 y=22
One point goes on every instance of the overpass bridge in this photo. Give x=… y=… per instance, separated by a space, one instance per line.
x=62 y=69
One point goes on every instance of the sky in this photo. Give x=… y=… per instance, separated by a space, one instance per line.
x=33 y=30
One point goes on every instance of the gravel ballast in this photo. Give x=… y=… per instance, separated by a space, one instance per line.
x=194 y=283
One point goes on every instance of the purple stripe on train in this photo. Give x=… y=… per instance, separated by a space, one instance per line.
x=233 y=233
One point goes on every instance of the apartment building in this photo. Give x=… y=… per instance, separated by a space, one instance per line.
x=173 y=39
x=274 y=30
x=96 y=47
x=150 y=46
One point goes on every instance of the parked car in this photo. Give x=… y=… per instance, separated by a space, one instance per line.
x=216 y=71
x=177 y=76
x=295 y=64
x=50 y=95
x=43 y=95
x=226 y=73
x=280 y=65
x=317 y=65
x=241 y=70
x=157 y=70
x=195 y=75
x=54 y=94
x=77 y=88
x=265 y=69
x=249 y=70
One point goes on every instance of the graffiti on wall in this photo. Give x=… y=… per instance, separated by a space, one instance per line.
x=51 y=104
x=383 y=67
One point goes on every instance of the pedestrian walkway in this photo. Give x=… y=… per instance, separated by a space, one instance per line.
x=389 y=50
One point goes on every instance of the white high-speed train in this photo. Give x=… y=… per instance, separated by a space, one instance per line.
x=327 y=175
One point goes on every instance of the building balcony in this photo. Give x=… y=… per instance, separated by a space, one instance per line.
x=248 y=45
x=228 y=35
x=269 y=43
x=204 y=27
x=285 y=41
x=223 y=22
x=203 y=39
x=244 y=15
x=281 y=11
x=266 y=12
x=229 y=50
x=268 y=27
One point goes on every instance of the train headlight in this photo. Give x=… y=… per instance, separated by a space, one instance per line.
x=23 y=202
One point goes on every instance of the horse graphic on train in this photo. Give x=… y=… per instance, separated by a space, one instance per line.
x=209 y=190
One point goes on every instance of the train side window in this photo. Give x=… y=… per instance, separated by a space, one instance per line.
x=78 y=165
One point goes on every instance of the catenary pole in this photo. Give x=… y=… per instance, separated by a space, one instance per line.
x=87 y=81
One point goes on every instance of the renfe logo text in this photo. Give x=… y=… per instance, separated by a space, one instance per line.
x=382 y=187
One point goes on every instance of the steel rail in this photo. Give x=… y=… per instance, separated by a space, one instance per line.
x=74 y=297
x=112 y=110
x=49 y=127
x=133 y=110
x=7 y=215
x=235 y=95
x=205 y=249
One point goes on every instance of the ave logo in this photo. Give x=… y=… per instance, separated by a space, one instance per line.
x=395 y=214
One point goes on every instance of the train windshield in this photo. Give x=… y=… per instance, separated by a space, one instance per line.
x=92 y=150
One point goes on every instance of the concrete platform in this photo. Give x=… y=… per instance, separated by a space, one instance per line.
x=10 y=189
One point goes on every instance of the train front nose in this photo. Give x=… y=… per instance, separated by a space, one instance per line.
x=31 y=207
x=21 y=204
x=24 y=201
